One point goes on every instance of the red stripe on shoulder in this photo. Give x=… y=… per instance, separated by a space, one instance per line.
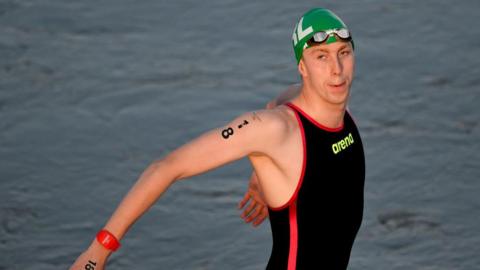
x=304 y=164
x=306 y=115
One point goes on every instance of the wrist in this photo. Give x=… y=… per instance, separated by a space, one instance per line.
x=107 y=240
x=97 y=248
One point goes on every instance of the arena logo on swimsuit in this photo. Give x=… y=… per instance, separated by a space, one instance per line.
x=342 y=144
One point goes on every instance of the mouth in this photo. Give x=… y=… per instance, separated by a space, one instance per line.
x=338 y=85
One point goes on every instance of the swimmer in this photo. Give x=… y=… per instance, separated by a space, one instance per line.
x=306 y=152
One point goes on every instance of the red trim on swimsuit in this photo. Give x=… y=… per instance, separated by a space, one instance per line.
x=292 y=253
x=304 y=164
x=314 y=121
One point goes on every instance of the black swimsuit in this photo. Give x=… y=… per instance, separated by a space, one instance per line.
x=317 y=227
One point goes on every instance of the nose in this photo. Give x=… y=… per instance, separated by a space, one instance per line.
x=336 y=66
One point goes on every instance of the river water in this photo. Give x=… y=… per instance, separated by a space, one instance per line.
x=92 y=91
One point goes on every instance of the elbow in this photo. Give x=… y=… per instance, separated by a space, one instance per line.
x=167 y=167
x=172 y=166
x=272 y=104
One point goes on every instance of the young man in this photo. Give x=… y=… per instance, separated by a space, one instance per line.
x=307 y=155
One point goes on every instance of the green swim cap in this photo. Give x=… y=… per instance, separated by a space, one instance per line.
x=315 y=20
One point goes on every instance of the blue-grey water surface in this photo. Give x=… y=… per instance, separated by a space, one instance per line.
x=92 y=91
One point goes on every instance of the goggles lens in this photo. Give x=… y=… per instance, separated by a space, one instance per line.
x=320 y=37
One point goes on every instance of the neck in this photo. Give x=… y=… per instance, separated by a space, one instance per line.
x=328 y=114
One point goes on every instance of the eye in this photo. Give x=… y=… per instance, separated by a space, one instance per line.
x=321 y=56
x=345 y=52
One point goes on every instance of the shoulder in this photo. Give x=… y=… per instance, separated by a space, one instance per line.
x=278 y=120
x=266 y=128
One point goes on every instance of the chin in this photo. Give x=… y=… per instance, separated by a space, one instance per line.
x=339 y=98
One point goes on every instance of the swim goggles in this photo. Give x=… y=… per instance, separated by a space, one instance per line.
x=322 y=36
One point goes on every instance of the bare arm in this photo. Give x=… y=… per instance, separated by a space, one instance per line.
x=241 y=137
x=210 y=150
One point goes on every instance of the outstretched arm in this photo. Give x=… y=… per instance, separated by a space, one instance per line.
x=242 y=136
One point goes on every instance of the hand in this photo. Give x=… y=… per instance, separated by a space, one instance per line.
x=272 y=104
x=94 y=258
x=257 y=210
x=286 y=96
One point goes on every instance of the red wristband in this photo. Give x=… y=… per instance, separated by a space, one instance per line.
x=108 y=240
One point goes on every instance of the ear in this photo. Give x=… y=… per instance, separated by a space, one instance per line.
x=302 y=68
